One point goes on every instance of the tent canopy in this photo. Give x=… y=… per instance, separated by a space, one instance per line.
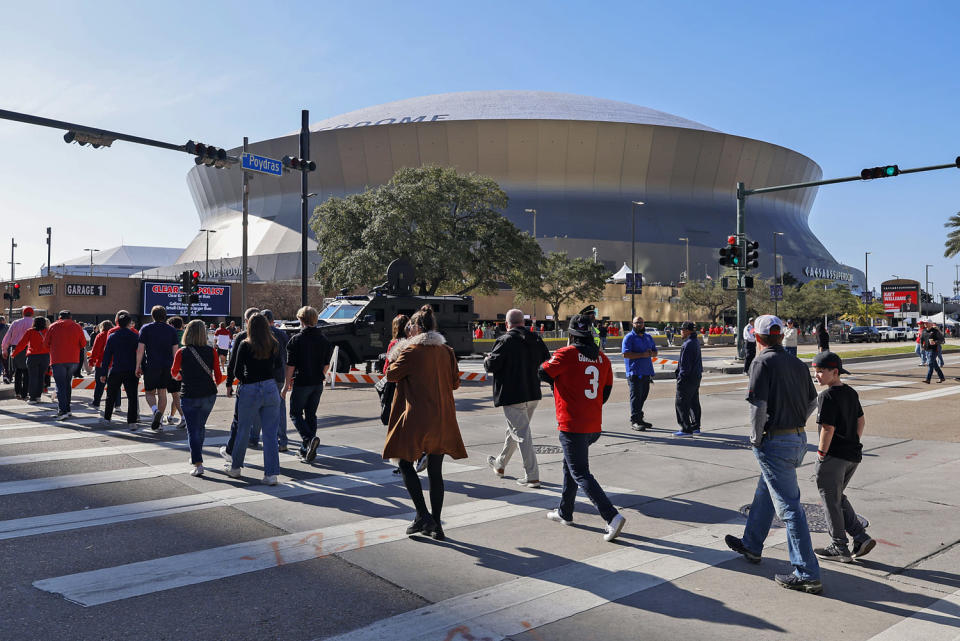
x=621 y=275
x=938 y=319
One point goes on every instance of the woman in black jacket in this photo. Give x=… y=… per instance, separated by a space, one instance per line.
x=198 y=368
x=258 y=357
x=823 y=338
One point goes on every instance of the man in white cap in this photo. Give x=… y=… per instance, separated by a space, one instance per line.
x=781 y=398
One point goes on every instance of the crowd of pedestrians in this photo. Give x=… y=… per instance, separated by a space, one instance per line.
x=188 y=364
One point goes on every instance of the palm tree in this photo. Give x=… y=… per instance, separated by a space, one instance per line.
x=952 y=245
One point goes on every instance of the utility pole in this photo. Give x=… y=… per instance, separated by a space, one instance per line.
x=206 y=265
x=246 y=209
x=48 y=250
x=305 y=155
x=741 y=291
x=13 y=274
x=926 y=288
x=866 y=274
x=686 y=272
x=633 y=256
x=534 y=212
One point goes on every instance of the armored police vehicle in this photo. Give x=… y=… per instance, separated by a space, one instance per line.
x=360 y=325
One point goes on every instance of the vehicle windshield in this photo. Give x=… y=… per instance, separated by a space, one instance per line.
x=340 y=311
x=860 y=329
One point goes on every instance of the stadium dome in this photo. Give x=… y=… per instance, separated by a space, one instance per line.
x=578 y=161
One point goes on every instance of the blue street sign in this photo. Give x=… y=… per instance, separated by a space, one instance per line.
x=262 y=164
x=776 y=292
x=634 y=283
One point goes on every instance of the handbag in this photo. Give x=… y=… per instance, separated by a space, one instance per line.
x=386 y=390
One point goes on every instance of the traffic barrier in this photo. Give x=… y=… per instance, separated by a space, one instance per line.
x=371 y=379
x=663 y=361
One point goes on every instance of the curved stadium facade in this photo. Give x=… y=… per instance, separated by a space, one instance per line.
x=578 y=161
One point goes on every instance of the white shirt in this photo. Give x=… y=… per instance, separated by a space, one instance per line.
x=748 y=334
x=790 y=337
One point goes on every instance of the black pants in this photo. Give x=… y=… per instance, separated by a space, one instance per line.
x=688 y=404
x=639 y=390
x=749 y=353
x=129 y=382
x=412 y=482
x=21 y=382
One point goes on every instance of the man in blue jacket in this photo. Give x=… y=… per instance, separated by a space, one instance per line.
x=638 y=348
x=689 y=372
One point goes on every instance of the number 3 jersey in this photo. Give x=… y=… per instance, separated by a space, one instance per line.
x=578 y=384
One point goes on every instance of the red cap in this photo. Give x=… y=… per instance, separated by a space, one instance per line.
x=28 y=311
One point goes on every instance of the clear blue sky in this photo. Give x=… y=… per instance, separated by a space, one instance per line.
x=850 y=85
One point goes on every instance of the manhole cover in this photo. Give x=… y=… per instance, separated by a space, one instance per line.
x=548 y=449
x=816 y=519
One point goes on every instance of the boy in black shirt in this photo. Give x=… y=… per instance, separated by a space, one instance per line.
x=840 y=422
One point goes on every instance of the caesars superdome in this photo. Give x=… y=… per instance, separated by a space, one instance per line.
x=578 y=161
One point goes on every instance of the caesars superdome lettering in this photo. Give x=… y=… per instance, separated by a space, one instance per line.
x=820 y=272
x=388 y=121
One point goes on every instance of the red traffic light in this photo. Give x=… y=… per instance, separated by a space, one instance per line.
x=195 y=274
x=16 y=285
x=731 y=240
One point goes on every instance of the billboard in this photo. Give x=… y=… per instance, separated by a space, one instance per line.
x=214 y=299
x=897 y=292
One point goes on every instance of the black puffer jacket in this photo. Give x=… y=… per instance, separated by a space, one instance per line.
x=514 y=361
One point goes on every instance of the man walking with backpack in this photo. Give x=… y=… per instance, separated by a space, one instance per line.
x=514 y=361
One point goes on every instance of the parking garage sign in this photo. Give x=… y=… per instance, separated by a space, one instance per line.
x=214 y=299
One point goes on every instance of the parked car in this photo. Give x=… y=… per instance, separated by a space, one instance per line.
x=887 y=333
x=910 y=333
x=901 y=333
x=864 y=334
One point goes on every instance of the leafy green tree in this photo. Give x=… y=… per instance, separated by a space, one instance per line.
x=952 y=244
x=707 y=295
x=558 y=280
x=864 y=314
x=448 y=225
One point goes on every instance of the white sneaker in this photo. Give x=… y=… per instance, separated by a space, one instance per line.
x=614 y=527
x=223 y=453
x=492 y=462
x=197 y=471
x=554 y=516
x=232 y=472
x=270 y=480
x=531 y=484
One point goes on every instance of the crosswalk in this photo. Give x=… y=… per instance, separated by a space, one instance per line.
x=505 y=609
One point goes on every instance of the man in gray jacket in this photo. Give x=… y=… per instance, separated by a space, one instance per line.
x=781 y=397
x=514 y=361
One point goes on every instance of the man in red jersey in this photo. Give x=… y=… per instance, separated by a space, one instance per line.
x=582 y=379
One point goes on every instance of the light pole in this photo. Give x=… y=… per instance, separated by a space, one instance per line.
x=686 y=272
x=86 y=249
x=206 y=265
x=926 y=287
x=49 y=240
x=594 y=254
x=633 y=255
x=776 y=307
x=866 y=274
x=534 y=212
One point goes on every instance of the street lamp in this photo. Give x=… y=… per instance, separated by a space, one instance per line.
x=633 y=255
x=776 y=307
x=594 y=254
x=206 y=267
x=926 y=287
x=87 y=249
x=534 y=212
x=686 y=272
x=866 y=274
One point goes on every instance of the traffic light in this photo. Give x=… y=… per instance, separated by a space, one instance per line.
x=16 y=291
x=752 y=259
x=194 y=282
x=880 y=172
x=730 y=255
x=292 y=163
x=82 y=138
x=208 y=154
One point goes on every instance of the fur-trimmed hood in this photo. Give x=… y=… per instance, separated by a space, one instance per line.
x=427 y=338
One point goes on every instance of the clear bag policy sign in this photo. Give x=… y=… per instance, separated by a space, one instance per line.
x=214 y=299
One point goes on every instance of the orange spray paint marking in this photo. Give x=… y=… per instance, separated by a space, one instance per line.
x=276 y=552
x=886 y=542
x=247 y=558
x=318 y=546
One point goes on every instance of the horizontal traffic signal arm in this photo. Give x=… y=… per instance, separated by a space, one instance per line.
x=767 y=190
x=94 y=136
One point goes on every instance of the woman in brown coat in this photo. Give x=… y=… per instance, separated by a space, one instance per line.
x=423 y=417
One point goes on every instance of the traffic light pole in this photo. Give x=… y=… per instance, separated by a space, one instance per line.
x=13 y=275
x=305 y=155
x=244 y=223
x=742 y=194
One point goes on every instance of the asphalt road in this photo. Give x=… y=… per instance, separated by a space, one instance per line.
x=103 y=534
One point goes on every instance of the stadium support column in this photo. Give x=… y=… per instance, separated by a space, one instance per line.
x=305 y=155
x=246 y=207
x=741 y=291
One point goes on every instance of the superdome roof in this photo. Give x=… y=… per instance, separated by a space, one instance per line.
x=504 y=105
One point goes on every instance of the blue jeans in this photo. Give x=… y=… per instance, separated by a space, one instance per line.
x=303 y=412
x=63 y=376
x=777 y=489
x=196 y=411
x=639 y=390
x=576 y=474
x=922 y=354
x=932 y=364
x=258 y=401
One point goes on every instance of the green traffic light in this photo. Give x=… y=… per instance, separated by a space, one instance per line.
x=890 y=171
x=736 y=261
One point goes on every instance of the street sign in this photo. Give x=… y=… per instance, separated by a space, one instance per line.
x=46 y=289
x=776 y=292
x=261 y=164
x=82 y=289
